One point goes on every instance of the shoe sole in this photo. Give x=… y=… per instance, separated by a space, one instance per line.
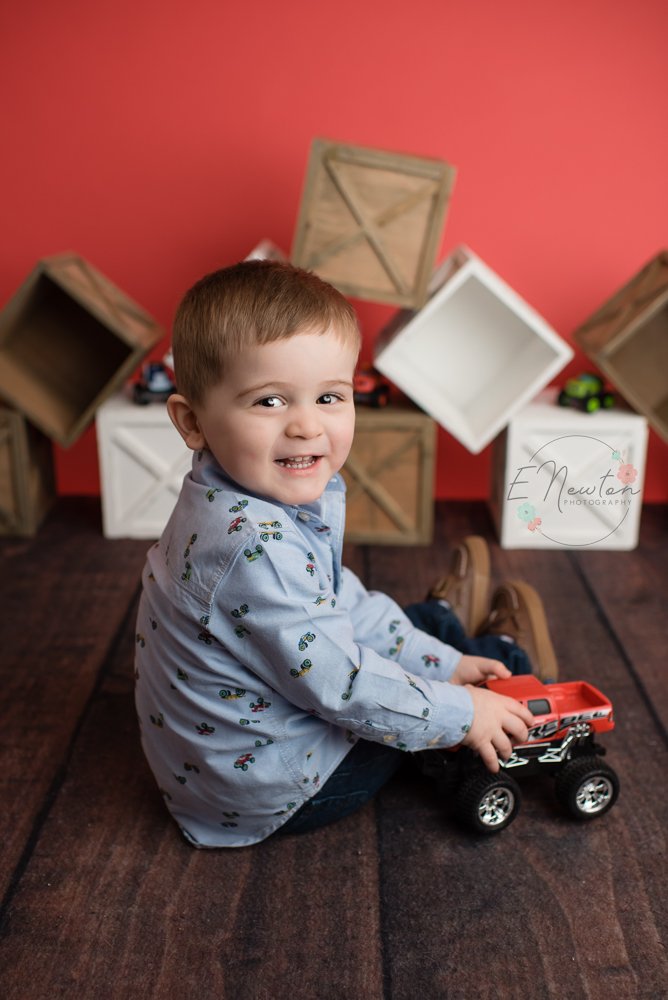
x=548 y=669
x=479 y=555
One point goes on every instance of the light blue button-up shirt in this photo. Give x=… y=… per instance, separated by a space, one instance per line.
x=260 y=660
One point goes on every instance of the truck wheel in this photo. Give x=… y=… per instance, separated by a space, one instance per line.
x=587 y=787
x=488 y=803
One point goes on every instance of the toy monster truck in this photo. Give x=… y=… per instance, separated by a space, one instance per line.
x=586 y=393
x=567 y=718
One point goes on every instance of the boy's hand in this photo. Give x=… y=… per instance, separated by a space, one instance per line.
x=472 y=669
x=495 y=719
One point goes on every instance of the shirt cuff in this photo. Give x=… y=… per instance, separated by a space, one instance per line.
x=451 y=720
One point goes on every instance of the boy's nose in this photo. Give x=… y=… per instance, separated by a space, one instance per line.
x=305 y=424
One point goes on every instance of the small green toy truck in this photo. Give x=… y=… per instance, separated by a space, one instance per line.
x=586 y=393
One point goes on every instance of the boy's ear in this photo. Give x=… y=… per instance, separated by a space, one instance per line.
x=186 y=421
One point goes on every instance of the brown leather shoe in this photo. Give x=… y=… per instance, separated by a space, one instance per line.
x=517 y=611
x=466 y=585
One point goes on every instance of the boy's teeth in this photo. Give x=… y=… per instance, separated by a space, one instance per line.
x=303 y=462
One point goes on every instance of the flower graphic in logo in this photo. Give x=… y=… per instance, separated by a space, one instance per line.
x=627 y=474
x=526 y=512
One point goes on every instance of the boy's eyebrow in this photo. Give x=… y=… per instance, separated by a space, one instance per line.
x=281 y=385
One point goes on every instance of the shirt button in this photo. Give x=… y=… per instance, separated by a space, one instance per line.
x=303 y=517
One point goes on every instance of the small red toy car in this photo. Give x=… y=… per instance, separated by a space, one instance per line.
x=567 y=718
x=370 y=388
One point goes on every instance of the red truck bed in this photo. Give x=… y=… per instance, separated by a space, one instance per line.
x=573 y=701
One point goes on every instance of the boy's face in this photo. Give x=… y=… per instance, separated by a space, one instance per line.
x=281 y=422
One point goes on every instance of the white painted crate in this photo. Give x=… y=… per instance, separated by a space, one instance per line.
x=474 y=355
x=585 y=446
x=266 y=250
x=143 y=460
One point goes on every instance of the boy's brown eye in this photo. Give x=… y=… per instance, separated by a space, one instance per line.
x=327 y=398
x=271 y=401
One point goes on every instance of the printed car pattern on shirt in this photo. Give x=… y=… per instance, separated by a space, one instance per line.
x=260 y=661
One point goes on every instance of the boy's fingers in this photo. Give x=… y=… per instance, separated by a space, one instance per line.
x=495 y=668
x=503 y=745
x=525 y=714
x=489 y=757
x=519 y=710
x=515 y=727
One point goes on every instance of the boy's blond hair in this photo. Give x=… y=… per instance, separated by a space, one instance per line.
x=253 y=302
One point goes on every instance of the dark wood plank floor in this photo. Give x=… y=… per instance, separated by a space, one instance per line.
x=103 y=899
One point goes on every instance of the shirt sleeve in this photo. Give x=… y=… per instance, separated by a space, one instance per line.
x=379 y=622
x=271 y=613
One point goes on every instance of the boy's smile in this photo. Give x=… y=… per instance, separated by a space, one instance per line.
x=281 y=421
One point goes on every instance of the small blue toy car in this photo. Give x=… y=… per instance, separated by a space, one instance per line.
x=155 y=386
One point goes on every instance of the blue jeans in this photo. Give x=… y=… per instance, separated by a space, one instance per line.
x=443 y=623
x=368 y=765
x=360 y=774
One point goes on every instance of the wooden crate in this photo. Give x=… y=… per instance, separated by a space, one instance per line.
x=627 y=338
x=390 y=477
x=474 y=355
x=26 y=474
x=68 y=340
x=143 y=460
x=370 y=221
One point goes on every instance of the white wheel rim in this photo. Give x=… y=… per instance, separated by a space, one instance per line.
x=594 y=794
x=496 y=806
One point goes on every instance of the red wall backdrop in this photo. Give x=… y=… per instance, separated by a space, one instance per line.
x=162 y=140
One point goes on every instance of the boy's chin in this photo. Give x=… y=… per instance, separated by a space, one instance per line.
x=301 y=495
x=300 y=491
x=290 y=489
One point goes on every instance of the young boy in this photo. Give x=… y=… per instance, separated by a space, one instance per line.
x=264 y=668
